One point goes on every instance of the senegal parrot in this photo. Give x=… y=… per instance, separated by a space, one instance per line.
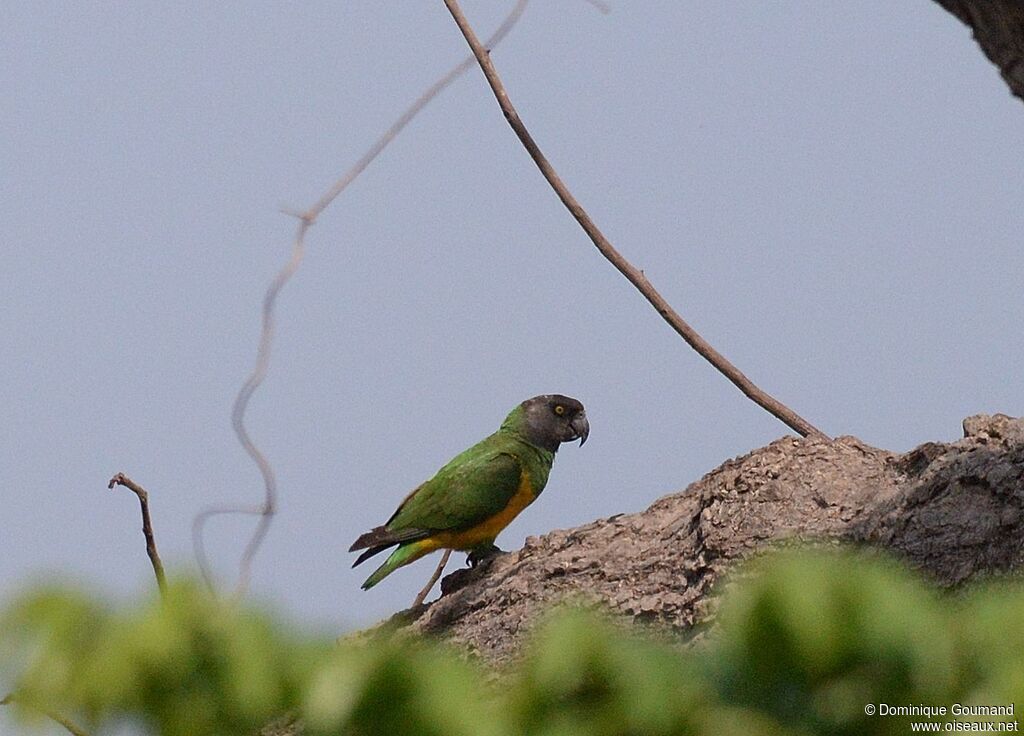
x=480 y=491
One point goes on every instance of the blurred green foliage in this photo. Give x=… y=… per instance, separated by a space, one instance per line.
x=803 y=643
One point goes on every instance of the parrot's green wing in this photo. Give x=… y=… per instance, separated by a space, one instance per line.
x=467 y=491
x=479 y=492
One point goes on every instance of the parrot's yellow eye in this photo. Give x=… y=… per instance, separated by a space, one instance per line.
x=559 y=409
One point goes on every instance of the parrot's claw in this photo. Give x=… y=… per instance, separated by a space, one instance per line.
x=478 y=555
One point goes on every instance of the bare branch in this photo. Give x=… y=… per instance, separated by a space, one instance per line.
x=55 y=717
x=633 y=274
x=422 y=595
x=147 y=526
x=998 y=27
x=199 y=523
x=266 y=509
x=411 y=112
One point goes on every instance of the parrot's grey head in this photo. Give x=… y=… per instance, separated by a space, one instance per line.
x=551 y=419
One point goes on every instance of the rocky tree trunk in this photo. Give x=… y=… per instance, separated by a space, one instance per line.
x=953 y=510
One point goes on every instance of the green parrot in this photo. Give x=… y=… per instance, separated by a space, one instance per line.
x=480 y=491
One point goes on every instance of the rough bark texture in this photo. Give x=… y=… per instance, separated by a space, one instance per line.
x=998 y=27
x=953 y=510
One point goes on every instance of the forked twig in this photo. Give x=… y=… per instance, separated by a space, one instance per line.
x=633 y=274
x=147 y=526
x=266 y=509
x=55 y=717
x=422 y=595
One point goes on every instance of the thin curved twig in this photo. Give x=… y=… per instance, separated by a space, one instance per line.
x=422 y=595
x=633 y=274
x=147 y=527
x=266 y=509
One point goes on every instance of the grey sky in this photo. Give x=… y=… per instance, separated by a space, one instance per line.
x=829 y=192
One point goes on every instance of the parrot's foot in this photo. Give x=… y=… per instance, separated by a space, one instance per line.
x=479 y=554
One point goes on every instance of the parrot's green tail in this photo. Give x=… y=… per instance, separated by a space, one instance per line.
x=405 y=554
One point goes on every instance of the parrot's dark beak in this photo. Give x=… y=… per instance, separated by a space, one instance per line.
x=581 y=427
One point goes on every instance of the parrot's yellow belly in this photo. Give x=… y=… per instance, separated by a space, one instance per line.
x=485 y=532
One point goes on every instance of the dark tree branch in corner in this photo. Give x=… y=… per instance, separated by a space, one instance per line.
x=998 y=27
x=55 y=717
x=147 y=526
x=633 y=274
